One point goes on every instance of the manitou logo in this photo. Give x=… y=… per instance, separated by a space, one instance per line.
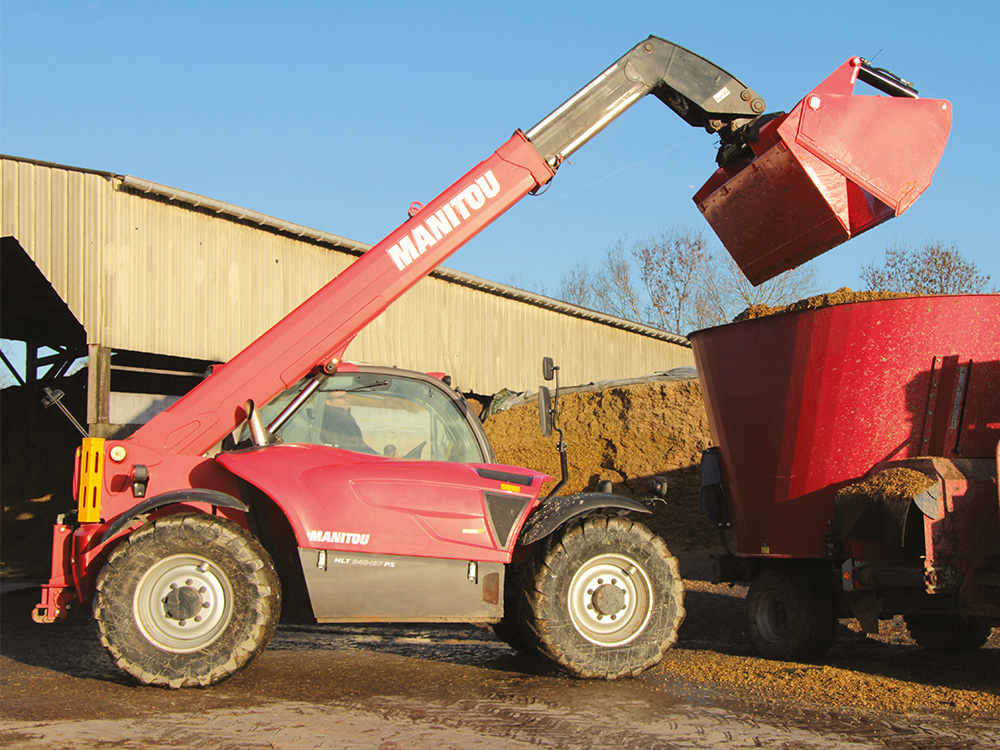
x=338 y=537
x=441 y=222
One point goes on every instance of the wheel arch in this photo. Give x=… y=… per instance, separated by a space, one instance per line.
x=210 y=497
x=558 y=511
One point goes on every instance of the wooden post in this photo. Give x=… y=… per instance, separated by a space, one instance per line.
x=98 y=390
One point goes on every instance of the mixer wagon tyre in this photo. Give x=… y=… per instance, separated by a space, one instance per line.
x=947 y=632
x=603 y=598
x=790 y=615
x=188 y=600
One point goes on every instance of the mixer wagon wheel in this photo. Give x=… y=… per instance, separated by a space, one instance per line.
x=947 y=632
x=603 y=597
x=790 y=615
x=188 y=600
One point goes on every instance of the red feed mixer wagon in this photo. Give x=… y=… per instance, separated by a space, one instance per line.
x=856 y=460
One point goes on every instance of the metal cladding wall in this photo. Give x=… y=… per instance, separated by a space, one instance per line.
x=151 y=269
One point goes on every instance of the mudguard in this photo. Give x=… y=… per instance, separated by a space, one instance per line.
x=559 y=510
x=210 y=497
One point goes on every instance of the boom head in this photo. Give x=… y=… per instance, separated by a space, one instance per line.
x=837 y=165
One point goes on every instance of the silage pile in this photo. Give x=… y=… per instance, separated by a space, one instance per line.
x=626 y=432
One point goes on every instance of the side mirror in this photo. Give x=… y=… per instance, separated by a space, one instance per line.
x=545 y=410
x=548 y=368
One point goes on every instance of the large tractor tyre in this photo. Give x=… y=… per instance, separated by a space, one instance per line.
x=603 y=598
x=186 y=601
x=790 y=615
x=947 y=632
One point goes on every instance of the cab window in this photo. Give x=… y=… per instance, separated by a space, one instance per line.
x=385 y=415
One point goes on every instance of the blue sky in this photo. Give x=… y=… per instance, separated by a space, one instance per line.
x=339 y=115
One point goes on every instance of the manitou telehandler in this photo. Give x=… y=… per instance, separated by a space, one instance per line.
x=259 y=485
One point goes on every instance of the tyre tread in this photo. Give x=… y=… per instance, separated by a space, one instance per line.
x=112 y=607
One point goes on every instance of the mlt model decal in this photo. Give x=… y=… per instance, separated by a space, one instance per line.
x=441 y=222
x=338 y=537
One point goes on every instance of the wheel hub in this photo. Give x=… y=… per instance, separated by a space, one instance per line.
x=183 y=603
x=608 y=599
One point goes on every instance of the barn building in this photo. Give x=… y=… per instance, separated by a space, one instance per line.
x=153 y=284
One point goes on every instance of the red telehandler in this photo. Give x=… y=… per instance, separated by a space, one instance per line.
x=292 y=480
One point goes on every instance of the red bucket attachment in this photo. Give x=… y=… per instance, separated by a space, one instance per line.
x=836 y=165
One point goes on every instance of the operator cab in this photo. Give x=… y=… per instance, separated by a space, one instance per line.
x=380 y=411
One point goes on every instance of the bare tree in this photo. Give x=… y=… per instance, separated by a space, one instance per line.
x=675 y=282
x=672 y=268
x=614 y=290
x=576 y=286
x=932 y=269
x=726 y=292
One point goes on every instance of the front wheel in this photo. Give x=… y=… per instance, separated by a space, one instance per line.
x=604 y=598
x=188 y=600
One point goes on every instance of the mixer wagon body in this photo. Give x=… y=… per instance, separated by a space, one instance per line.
x=813 y=412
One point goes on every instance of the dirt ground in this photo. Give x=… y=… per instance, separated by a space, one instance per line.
x=626 y=433
x=457 y=686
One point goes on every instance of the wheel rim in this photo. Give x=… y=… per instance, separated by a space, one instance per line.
x=610 y=600
x=183 y=603
x=771 y=618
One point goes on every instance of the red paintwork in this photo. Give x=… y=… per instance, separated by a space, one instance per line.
x=835 y=166
x=58 y=592
x=801 y=403
x=967 y=527
x=404 y=507
x=388 y=506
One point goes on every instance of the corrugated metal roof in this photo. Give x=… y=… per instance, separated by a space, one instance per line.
x=151 y=268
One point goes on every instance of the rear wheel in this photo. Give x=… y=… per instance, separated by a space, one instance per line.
x=188 y=600
x=604 y=598
x=790 y=615
x=947 y=632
